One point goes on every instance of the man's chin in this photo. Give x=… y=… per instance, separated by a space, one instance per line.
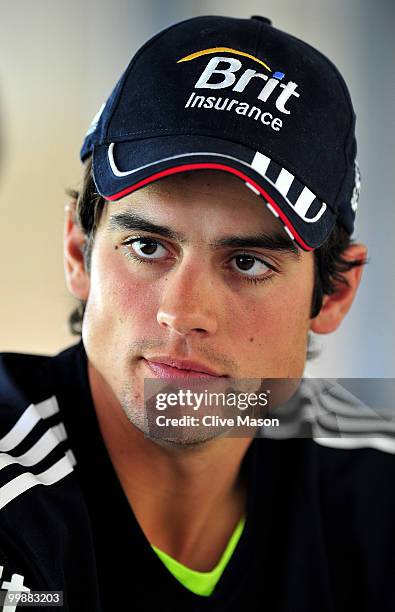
x=182 y=438
x=185 y=443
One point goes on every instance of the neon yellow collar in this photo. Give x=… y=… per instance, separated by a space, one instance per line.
x=202 y=583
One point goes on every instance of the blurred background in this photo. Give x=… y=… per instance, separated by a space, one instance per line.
x=59 y=61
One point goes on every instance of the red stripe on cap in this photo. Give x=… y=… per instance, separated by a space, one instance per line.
x=210 y=166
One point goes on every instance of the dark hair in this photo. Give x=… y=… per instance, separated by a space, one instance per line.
x=329 y=263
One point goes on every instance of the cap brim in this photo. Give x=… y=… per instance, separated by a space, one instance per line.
x=123 y=167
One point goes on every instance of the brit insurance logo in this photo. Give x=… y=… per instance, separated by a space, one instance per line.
x=274 y=100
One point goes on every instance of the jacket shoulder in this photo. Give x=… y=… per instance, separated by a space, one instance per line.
x=34 y=447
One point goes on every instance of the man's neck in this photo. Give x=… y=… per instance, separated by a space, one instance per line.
x=187 y=501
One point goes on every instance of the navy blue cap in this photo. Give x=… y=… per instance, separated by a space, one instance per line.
x=241 y=96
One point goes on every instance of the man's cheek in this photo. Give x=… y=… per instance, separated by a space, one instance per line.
x=133 y=301
x=116 y=293
x=274 y=337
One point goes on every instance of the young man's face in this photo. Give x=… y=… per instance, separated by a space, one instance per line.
x=208 y=291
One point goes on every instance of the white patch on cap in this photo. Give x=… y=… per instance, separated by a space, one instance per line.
x=289 y=232
x=284 y=181
x=270 y=207
x=357 y=188
x=95 y=119
x=304 y=202
x=260 y=163
x=254 y=189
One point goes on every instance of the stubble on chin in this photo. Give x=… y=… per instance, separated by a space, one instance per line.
x=141 y=415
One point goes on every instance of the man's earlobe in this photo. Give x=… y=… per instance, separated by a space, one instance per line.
x=77 y=277
x=335 y=307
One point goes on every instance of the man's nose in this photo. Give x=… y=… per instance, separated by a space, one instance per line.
x=188 y=304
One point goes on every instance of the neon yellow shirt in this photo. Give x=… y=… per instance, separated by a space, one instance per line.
x=202 y=583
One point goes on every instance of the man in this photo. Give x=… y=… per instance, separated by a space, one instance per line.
x=211 y=235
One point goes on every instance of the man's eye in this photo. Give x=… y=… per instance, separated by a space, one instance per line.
x=249 y=265
x=147 y=248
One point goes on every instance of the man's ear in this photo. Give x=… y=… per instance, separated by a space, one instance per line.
x=77 y=277
x=335 y=306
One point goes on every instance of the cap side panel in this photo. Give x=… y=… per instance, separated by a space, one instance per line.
x=111 y=111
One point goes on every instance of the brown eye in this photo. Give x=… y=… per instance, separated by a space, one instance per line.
x=146 y=248
x=250 y=265
x=245 y=262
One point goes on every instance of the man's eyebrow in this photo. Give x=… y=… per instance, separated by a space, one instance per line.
x=129 y=221
x=272 y=242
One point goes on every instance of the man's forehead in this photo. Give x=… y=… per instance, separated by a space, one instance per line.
x=194 y=196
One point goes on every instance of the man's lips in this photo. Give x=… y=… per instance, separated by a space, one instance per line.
x=180 y=368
